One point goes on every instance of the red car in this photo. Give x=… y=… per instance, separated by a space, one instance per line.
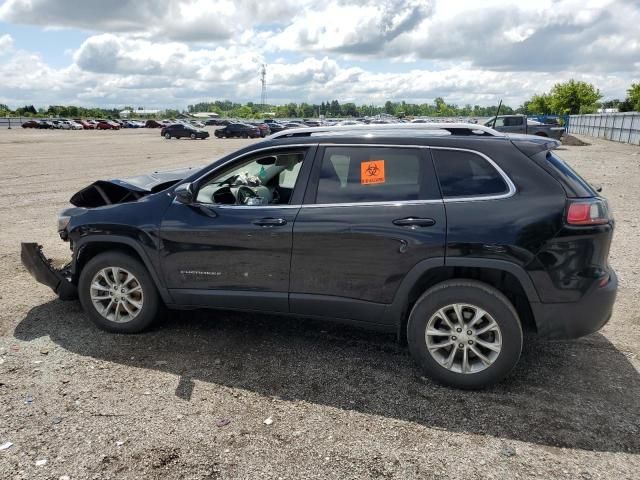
x=85 y=124
x=107 y=125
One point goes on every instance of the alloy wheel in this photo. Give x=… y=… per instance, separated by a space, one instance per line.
x=463 y=338
x=116 y=294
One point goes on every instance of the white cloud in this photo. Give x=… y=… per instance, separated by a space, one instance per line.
x=174 y=52
x=185 y=20
x=6 y=44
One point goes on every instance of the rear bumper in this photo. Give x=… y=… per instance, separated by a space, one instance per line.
x=41 y=270
x=576 y=319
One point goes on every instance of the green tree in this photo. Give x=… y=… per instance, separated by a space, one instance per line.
x=573 y=96
x=633 y=94
x=539 y=104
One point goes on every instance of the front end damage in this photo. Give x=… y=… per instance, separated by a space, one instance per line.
x=41 y=268
x=101 y=193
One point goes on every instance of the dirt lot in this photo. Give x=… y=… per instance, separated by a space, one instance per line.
x=189 y=399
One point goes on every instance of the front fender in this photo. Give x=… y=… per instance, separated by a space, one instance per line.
x=145 y=251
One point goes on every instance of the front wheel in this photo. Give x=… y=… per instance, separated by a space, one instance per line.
x=167 y=136
x=192 y=136
x=465 y=334
x=118 y=294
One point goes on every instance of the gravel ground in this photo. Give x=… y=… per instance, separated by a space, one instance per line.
x=191 y=398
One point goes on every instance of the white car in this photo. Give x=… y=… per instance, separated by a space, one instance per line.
x=74 y=125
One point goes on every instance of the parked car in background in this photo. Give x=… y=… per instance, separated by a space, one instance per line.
x=74 y=125
x=183 y=130
x=217 y=122
x=196 y=124
x=152 y=124
x=294 y=125
x=107 y=125
x=263 y=127
x=275 y=127
x=86 y=124
x=237 y=130
x=59 y=125
x=31 y=124
x=520 y=124
x=45 y=124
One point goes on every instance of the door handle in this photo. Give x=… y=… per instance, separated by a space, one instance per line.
x=414 y=222
x=270 y=222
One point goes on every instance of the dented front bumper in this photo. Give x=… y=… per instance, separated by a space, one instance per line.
x=41 y=269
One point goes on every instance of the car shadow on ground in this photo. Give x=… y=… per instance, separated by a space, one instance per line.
x=578 y=394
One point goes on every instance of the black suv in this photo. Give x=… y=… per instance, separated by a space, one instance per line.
x=456 y=237
x=179 y=130
x=237 y=130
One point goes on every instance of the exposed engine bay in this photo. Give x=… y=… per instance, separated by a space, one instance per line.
x=110 y=192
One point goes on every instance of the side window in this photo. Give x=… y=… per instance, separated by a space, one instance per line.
x=265 y=179
x=370 y=174
x=499 y=123
x=512 y=121
x=466 y=174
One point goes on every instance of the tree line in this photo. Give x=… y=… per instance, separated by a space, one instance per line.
x=334 y=108
x=566 y=98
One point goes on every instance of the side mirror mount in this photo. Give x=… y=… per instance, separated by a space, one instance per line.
x=184 y=193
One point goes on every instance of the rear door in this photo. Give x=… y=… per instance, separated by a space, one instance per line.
x=370 y=214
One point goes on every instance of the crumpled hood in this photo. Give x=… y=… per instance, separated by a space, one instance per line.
x=109 y=192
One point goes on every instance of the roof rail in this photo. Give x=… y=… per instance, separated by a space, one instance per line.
x=452 y=128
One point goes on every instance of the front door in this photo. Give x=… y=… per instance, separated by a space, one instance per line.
x=370 y=214
x=231 y=248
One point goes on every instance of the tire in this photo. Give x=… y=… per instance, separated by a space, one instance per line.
x=468 y=295
x=167 y=136
x=149 y=300
x=193 y=136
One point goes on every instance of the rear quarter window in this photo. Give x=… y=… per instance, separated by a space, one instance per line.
x=467 y=174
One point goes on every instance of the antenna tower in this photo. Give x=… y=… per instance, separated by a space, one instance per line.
x=263 y=80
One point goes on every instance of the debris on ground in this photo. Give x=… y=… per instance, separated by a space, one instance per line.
x=573 y=141
x=508 y=451
x=42 y=462
x=223 y=422
x=268 y=421
x=6 y=445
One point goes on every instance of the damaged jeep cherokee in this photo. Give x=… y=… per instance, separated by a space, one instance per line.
x=454 y=236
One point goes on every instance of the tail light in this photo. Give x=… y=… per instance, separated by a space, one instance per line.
x=594 y=211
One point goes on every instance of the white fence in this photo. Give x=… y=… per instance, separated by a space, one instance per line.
x=619 y=127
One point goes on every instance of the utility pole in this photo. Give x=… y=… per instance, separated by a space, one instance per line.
x=263 y=80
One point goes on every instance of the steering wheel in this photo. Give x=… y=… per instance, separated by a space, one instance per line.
x=244 y=194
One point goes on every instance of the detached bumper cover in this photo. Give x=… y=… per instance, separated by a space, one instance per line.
x=40 y=268
x=577 y=319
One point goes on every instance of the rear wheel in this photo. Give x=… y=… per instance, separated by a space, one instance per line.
x=117 y=293
x=465 y=334
x=193 y=136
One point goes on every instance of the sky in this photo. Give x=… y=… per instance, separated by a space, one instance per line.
x=172 y=53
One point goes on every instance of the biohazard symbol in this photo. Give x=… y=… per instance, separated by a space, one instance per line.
x=372 y=171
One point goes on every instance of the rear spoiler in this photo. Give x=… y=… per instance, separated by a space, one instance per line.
x=532 y=144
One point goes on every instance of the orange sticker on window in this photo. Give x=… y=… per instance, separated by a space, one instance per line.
x=372 y=171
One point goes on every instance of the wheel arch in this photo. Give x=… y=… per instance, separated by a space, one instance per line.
x=509 y=278
x=88 y=247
